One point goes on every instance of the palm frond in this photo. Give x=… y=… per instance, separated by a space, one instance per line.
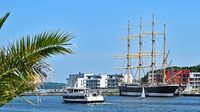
x=22 y=64
x=3 y=19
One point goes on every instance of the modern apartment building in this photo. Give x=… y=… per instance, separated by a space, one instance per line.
x=195 y=80
x=94 y=81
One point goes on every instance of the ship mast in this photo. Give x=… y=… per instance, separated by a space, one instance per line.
x=140 y=49
x=164 y=55
x=128 y=56
x=128 y=66
x=153 y=50
x=140 y=55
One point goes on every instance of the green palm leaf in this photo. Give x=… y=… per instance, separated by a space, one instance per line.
x=22 y=64
x=3 y=19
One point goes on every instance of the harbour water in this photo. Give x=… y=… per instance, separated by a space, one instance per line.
x=111 y=104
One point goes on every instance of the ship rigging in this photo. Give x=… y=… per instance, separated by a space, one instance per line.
x=153 y=87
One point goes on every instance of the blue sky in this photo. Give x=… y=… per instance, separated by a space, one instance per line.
x=99 y=26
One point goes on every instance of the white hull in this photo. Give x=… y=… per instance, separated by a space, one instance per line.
x=82 y=96
x=161 y=94
x=86 y=100
x=131 y=93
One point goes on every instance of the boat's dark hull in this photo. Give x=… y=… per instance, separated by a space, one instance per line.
x=150 y=91
x=66 y=101
x=191 y=95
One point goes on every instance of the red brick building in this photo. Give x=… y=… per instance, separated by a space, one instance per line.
x=178 y=76
x=174 y=76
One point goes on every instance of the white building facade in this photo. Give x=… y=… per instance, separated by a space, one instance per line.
x=195 y=81
x=94 y=81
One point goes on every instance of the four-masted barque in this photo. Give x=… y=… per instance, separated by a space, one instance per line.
x=152 y=87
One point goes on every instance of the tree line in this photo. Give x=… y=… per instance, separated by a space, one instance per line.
x=191 y=68
x=52 y=85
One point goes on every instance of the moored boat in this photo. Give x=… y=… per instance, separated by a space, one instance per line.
x=155 y=71
x=150 y=91
x=82 y=95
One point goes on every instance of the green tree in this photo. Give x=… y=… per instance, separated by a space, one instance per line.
x=22 y=63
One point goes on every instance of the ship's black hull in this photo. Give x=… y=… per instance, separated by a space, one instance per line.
x=150 y=91
x=191 y=95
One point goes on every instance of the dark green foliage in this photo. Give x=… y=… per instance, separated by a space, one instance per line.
x=191 y=68
x=145 y=78
x=52 y=85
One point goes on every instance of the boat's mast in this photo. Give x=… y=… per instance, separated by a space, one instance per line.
x=128 y=68
x=140 y=49
x=164 y=55
x=128 y=54
x=153 y=50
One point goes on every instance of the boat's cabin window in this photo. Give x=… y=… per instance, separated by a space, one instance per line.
x=94 y=94
x=74 y=97
x=75 y=90
x=69 y=90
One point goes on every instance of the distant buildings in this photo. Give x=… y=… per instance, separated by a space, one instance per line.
x=178 y=76
x=182 y=77
x=190 y=81
x=94 y=81
x=172 y=76
x=195 y=81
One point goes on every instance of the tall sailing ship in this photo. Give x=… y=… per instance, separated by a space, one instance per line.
x=134 y=86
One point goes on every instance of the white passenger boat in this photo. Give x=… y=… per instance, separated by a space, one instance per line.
x=82 y=95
